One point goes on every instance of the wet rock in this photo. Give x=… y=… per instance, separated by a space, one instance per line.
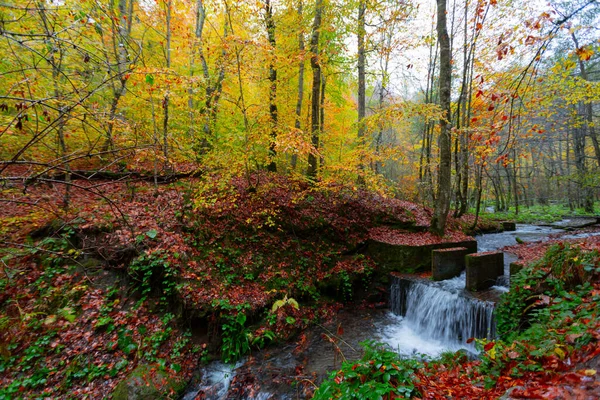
x=575 y=223
x=148 y=382
x=509 y=226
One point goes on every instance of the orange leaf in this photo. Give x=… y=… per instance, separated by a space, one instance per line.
x=584 y=54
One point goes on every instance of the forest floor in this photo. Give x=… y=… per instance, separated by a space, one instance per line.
x=134 y=276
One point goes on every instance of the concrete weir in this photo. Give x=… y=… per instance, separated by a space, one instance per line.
x=448 y=263
x=408 y=258
x=483 y=269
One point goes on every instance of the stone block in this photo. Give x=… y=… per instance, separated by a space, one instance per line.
x=483 y=269
x=448 y=263
x=509 y=226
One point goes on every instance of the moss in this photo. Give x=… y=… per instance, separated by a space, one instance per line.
x=148 y=382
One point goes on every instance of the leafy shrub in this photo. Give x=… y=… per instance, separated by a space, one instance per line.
x=154 y=275
x=380 y=374
x=546 y=315
x=236 y=335
x=562 y=269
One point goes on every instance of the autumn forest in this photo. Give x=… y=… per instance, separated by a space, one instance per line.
x=183 y=181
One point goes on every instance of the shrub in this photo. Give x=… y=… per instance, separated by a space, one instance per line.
x=379 y=374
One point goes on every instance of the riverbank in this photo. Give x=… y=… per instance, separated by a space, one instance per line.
x=144 y=284
x=134 y=280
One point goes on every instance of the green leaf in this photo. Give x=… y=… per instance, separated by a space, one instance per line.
x=150 y=79
x=152 y=232
x=67 y=313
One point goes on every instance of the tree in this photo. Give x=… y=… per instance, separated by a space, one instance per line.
x=270 y=24
x=361 y=76
x=444 y=184
x=315 y=64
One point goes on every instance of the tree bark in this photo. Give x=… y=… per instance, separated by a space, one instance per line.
x=444 y=184
x=588 y=109
x=273 y=85
x=301 y=48
x=166 y=97
x=361 y=83
x=120 y=39
x=316 y=89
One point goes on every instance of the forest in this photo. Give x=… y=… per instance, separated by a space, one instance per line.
x=183 y=181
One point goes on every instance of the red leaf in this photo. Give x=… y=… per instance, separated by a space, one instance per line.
x=489 y=346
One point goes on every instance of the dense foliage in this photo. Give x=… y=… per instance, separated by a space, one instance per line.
x=380 y=374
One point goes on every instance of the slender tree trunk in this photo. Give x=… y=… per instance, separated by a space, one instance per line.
x=479 y=191
x=425 y=175
x=515 y=183
x=322 y=117
x=361 y=84
x=315 y=64
x=273 y=85
x=199 y=29
x=588 y=109
x=300 y=99
x=444 y=185
x=121 y=34
x=462 y=141
x=166 y=98
x=55 y=60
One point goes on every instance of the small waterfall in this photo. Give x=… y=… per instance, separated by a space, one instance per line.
x=441 y=311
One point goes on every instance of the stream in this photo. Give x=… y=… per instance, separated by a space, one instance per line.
x=425 y=319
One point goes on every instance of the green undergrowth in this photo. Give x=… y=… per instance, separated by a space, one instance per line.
x=550 y=312
x=535 y=214
x=66 y=329
x=546 y=323
x=380 y=373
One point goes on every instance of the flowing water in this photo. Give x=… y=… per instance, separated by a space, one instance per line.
x=425 y=319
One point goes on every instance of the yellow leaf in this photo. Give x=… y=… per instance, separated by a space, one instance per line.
x=584 y=53
x=589 y=372
x=560 y=353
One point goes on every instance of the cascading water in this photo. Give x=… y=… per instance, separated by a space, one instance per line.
x=441 y=312
x=426 y=318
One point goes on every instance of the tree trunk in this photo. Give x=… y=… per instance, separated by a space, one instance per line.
x=273 y=85
x=588 y=109
x=322 y=117
x=166 y=98
x=122 y=33
x=316 y=89
x=444 y=184
x=56 y=59
x=361 y=84
x=297 y=124
x=199 y=29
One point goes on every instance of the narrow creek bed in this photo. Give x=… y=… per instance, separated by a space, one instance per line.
x=425 y=319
